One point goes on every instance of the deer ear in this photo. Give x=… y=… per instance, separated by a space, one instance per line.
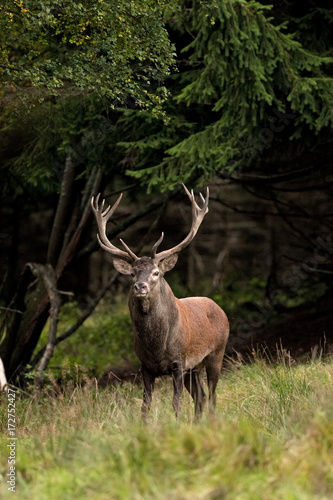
x=168 y=263
x=122 y=266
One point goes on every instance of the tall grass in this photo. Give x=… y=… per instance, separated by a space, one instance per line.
x=271 y=438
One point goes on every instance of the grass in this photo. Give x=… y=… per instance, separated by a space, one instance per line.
x=271 y=438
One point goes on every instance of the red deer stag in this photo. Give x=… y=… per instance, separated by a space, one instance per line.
x=171 y=336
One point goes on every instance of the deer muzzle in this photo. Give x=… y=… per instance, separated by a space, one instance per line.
x=141 y=289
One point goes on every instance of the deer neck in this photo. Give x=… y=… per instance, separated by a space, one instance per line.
x=156 y=312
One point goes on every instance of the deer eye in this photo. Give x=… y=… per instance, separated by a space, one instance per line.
x=133 y=274
x=156 y=273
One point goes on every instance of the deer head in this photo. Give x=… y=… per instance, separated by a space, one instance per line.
x=145 y=271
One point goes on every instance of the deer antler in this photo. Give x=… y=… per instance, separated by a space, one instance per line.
x=102 y=218
x=197 y=217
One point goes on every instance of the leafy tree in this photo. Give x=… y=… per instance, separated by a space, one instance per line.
x=117 y=49
x=246 y=64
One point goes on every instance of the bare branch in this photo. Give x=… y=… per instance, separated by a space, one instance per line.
x=49 y=278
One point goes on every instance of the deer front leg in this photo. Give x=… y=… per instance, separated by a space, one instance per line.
x=148 y=388
x=177 y=375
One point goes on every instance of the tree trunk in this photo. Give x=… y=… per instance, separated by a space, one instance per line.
x=62 y=213
x=22 y=328
x=22 y=333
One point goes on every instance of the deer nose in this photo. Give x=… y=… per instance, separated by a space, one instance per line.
x=141 y=288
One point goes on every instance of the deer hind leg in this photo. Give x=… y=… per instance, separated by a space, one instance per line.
x=194 y=387
x=213 y=370
x=178 y=381
x=148 y=388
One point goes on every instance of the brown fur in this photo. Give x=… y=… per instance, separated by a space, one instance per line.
x=174 y=336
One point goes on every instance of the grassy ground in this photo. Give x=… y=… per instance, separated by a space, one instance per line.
x=271 y=438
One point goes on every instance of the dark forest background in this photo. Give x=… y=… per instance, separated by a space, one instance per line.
x=139 y=99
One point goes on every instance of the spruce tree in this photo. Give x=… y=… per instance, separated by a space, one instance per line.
x=246 y=70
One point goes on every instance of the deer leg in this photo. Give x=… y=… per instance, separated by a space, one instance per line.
x=201 y=396
x=177 y=375
x=213 y=370
x=194 y=387
x=148 y=388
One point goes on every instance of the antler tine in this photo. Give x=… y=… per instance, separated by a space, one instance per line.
x=102 y=217
x=195 y=206
x=156 y=245
x=129 y=251
x=197 y=217
x=187 y=191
